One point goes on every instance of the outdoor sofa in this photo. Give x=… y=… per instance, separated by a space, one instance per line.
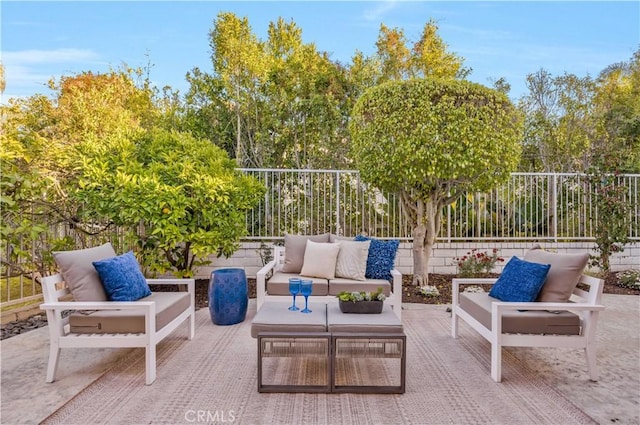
x=334 y=264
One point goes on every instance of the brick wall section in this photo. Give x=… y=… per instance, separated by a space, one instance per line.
x=443 y=256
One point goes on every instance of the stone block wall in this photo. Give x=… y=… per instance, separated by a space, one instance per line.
x=442 y=261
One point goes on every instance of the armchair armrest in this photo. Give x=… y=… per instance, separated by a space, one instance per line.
x=458 y=282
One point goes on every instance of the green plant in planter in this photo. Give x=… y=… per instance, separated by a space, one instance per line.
x=356 y=296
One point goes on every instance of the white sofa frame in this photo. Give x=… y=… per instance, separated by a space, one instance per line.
x=587 y=304
x=394 y=300
x=54 y=290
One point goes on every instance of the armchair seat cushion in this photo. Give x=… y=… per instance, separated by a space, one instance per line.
x=169 y=305
x=478 y=305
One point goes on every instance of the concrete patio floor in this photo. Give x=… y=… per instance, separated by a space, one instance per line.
x=27 y=399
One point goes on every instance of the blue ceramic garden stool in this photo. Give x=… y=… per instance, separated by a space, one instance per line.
x=228 y=296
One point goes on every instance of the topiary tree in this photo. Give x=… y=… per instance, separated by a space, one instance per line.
x=429 y=141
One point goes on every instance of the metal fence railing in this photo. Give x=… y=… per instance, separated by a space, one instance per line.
x=541 y=206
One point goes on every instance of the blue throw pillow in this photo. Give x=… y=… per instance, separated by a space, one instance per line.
x=382 y=256
x=520 y=281
x=122 y=278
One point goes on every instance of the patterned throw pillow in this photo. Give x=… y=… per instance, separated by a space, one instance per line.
x=520 y=281
x=381 y=258
x=122 y=278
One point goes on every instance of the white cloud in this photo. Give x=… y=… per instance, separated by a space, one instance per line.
x=28 y=71
x=33 y=56
x=380 y=10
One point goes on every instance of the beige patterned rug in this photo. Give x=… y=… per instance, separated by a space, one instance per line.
x=212 y=379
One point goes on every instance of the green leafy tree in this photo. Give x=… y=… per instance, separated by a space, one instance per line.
x=31 y=197
x=429 y=141
x=431 y=59
x=559 y=124
x=427 y=57
x=3 y=80
x=96 y=156
x=182 y=195
x=240 y=64
x=617 y=110
x=611 y=217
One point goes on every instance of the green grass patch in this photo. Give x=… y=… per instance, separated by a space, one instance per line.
x=14 y=288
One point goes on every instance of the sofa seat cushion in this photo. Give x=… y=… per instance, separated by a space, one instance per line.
x=385 y=322
x=338 y=285
x=278 y=284
x=275 y=317
x=478 y=305
x=169 y=305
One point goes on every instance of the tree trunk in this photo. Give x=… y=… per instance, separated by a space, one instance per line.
x=239 y=150
x=420 y=259
x=424 y=238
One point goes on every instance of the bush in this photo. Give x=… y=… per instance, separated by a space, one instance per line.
x=476 y=263
x=629 y=279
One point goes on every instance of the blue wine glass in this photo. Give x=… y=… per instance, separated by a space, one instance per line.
x=305 y=289
x=294 y=289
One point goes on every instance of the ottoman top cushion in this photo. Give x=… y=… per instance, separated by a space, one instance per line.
x=276 y=317
x=385 y=322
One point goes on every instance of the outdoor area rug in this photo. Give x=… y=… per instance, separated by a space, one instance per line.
x=213 y=379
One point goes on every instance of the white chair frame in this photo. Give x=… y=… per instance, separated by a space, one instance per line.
x=587 y=304
x=54 y=289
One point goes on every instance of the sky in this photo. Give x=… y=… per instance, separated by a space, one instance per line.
x=505 y=39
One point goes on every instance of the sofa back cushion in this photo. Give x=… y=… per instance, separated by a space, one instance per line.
x=79 y=274
x=352 y=259
x=564 y=273
x=295 y=246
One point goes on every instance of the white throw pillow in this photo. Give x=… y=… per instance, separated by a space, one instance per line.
x=352 y=260
x=320 y=259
